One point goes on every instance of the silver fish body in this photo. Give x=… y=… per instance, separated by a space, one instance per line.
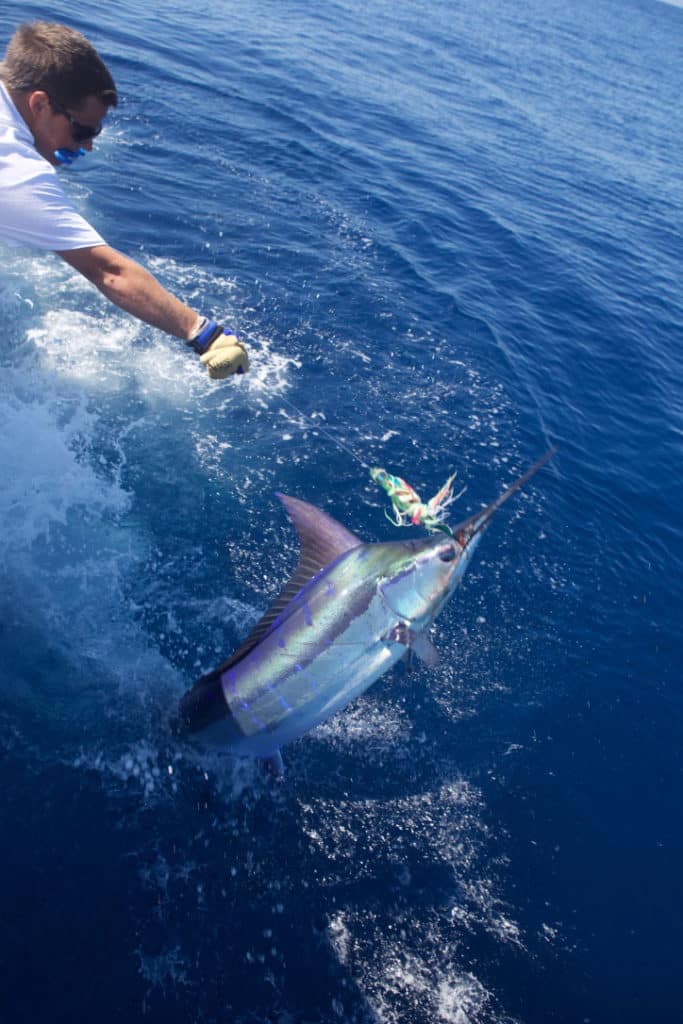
x=350 y=612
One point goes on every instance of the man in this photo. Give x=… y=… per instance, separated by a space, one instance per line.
x=55 y=92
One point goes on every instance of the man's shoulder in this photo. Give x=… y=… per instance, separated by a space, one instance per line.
x=19 y=159
x=20 y=162
x=22 y=166
x=34 y=209
x=11 y=120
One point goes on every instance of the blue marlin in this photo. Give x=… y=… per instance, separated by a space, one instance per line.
x=348 y=614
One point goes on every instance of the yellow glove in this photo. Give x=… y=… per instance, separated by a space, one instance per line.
x=222 y=354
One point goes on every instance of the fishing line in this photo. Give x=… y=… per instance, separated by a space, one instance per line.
x=316 y=427
x=408 y=508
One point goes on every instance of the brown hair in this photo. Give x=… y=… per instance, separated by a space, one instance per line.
x=59 y=61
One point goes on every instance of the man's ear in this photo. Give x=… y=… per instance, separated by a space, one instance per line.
x=38 y=102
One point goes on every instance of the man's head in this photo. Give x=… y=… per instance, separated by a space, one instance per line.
x=60 y=84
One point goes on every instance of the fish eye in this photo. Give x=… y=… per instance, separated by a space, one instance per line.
x=447 y=554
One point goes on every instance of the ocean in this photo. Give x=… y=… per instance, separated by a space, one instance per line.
x=450 y=235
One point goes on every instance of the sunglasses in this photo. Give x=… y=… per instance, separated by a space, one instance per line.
x=80 y=132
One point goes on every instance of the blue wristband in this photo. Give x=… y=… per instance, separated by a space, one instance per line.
x=208 y=334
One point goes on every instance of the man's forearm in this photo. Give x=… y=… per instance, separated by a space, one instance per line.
x=133 y=289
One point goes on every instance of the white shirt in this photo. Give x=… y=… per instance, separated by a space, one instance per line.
x=34 y=210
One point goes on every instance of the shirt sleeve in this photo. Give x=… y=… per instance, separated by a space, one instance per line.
x=35 y=212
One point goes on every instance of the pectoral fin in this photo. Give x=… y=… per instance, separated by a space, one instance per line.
x=425 y=649
x=418 y=643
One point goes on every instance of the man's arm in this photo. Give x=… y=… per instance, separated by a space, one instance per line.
x=132 y=288
x=129 y=286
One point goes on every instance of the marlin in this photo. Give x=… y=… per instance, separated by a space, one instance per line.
x=348 y=614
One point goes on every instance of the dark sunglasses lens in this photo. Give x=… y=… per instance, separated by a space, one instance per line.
x=83 y=132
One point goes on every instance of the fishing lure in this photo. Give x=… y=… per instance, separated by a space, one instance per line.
x=409 y=509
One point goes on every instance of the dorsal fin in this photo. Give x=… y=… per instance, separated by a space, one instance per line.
x=322 y=540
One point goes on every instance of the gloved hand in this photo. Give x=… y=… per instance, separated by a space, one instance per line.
x=224 y=356
x=221 y=353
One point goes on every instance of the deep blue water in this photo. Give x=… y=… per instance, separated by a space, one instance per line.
x=450 y=235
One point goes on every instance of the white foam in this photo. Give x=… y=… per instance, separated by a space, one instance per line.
x=68 y=546
x=165 y=971
x=397 y=983
x=44 y=448
x=439 y=827
x=93 y=351
x=141 y=765
x=367 y=726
